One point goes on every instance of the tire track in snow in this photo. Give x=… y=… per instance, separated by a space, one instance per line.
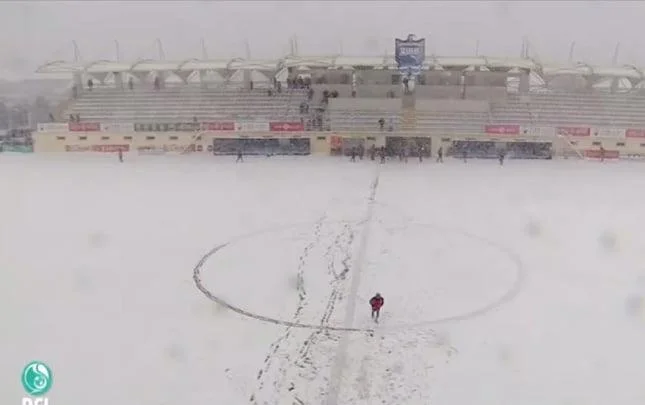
x=302 y=302
x=338 y=366
x=305 y=362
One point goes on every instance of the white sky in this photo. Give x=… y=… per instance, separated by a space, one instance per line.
x=33 y=32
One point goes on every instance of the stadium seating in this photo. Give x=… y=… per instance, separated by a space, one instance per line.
x=361 y=114
x=452 y=123
x=572 y=109
x=186 y=103
x=536 y=109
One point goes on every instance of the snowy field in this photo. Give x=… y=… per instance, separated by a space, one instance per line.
x=507 y=285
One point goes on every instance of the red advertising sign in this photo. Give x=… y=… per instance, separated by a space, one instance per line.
x=97 y=148
x=218 y=126
x=286 y=126
x=502 y=129
x=635 y=133
x=84 y=126
x=598 y=154
x=573 y=131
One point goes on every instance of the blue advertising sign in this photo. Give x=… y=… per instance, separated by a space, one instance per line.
x=410 y=54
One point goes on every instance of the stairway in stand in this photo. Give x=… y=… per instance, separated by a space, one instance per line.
x=408 y=107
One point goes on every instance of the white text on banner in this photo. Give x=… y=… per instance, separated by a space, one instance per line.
x=252 y=126
x=53 y=127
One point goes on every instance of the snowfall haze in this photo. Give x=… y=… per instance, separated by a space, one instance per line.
x=36 y=32
x=190 y=278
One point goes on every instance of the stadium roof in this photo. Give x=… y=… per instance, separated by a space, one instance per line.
x=149 y=65
x=340 y=62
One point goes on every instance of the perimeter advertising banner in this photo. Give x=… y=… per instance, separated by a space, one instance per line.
x=16 y=148
x=410 y=54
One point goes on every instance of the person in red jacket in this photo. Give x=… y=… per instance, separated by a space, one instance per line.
x=376 y=302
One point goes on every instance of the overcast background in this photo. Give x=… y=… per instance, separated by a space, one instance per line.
x=34 y=32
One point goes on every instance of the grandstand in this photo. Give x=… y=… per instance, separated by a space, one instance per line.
x=185 y=104
x=453 y=97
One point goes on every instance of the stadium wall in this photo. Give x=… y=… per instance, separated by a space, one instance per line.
x=153 y=143
x=59 y=138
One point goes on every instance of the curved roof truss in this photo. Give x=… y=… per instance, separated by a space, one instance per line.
x=432 y=62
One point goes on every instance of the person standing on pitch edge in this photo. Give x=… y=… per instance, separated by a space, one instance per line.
x=376 y=302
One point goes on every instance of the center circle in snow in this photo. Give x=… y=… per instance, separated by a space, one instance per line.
x=296 y=275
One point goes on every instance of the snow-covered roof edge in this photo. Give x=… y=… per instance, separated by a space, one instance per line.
x=340 y=61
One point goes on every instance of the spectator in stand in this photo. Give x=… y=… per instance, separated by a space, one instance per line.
x=90 y=84
x=325 y=97
x=381 y=123
x=310 y=94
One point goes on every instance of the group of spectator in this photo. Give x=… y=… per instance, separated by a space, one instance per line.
x=298 y=82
